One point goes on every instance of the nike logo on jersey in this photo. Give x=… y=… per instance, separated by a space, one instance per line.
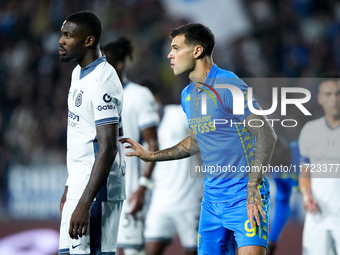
x=75 y=246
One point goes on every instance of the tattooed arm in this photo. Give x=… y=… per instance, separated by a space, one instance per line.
x=186 y=148
x=265 y=143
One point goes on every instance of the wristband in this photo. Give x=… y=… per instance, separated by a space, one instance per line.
x=145 y=182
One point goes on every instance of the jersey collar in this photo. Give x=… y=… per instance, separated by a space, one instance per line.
x=90 y=67
x=209 y=80
x=329 y=125
x=125 y=82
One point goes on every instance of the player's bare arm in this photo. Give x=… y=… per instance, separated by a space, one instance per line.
x=183 y=149
x=265 y=144
x=107 y=136
x=150 y=137
x=63 y=199
x=306 y=190
x=187 y=147
x=138 y=198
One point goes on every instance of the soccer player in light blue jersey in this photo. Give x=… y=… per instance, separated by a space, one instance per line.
x=233 y=196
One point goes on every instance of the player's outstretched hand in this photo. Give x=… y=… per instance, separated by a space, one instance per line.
x=138 y=150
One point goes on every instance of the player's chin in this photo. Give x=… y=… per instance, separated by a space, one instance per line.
x=64 y=59
x=178 y=73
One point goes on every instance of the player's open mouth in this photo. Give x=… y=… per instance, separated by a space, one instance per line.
x=61 y=51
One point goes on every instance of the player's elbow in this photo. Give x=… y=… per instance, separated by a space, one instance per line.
x=109 y=150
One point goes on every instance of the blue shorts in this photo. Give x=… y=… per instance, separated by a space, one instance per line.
x=224 y=227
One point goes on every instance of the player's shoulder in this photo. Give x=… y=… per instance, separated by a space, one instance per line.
x=308 y=131
x=223 y=76
x=135 y=90
x=173 y=114
x=76 y=72
x=314 y=124
x=173 y=109
x=222 y=73
x=185 y=95
x=106 y=72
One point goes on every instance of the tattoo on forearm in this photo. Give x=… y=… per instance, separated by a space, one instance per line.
x=265 y=143
x=181 y=150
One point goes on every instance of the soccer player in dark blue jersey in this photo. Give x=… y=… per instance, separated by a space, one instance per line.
x=285 y=154
x=234 y=153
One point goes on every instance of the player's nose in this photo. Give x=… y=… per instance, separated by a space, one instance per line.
x=61 y=41
x=170 y=56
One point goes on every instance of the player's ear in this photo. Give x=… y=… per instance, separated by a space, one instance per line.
x=320 y=99
x=89 y=41
x=198 y=51
x=119 y=66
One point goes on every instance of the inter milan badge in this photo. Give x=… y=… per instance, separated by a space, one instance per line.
x=79 y=98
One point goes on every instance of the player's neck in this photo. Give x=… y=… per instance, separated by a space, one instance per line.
x=122 y=77
x=333 y=121
x=90 y=56
x=202 y=68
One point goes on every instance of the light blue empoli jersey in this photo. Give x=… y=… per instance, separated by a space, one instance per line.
x=227 y=147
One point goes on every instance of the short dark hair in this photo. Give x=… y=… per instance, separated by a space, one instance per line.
x=119 y=50
x=196 y=33
x=89 y=22
x=335 y=77
x=152 y=86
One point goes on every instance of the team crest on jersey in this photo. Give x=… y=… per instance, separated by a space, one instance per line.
x=197 y=103
x=79 y=99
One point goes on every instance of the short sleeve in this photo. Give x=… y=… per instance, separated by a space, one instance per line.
x=184 y=97
x=147 y=107
x=106 y=103
x=185 y=101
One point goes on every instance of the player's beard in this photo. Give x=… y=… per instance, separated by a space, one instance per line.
x=64 y=59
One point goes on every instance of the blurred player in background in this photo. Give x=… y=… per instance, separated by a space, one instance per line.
x=140 y=119
x=284 y=154
x=319 y=180
x=231 y=201
x=95 y=188
x=176 y=198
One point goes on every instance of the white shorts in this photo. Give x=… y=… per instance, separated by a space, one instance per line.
x=317 y=240
x=102 y=234
x=162 y=226
x=130 y=233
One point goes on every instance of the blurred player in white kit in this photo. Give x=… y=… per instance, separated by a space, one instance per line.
x=176 y=196
x=140 y=119
x=320 y=179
